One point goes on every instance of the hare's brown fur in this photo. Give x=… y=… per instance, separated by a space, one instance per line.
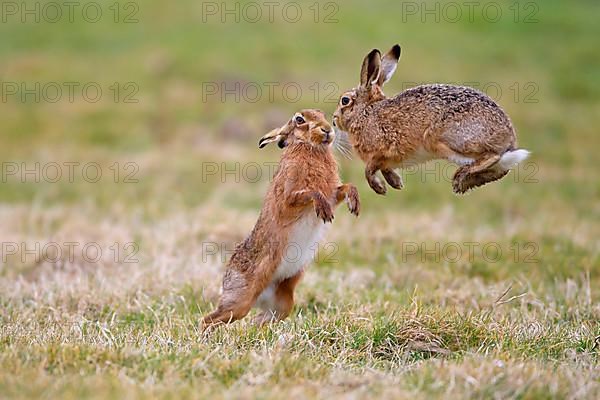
x=302 y=197
x=427 y=122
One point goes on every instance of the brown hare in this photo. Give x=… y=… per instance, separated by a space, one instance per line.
x=298 y=207
x=455 y=123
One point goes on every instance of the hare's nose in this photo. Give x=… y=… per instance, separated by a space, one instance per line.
x=327 y=135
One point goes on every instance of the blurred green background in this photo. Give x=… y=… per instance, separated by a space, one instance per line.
x=538 y=60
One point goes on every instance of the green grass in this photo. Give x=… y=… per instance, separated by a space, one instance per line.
x=378 y=314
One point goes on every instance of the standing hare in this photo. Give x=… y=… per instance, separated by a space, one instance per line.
x=427 y=122
x=267 y=266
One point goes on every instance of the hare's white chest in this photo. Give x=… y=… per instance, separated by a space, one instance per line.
x=302 y=245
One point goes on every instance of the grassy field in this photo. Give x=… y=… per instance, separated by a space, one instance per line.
x=104 y=278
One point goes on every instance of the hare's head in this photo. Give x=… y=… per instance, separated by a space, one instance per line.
x=308 y=126
x=375 y=72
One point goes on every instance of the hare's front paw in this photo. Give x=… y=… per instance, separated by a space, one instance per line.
x=392 y=178
x=323 y=209
x=353 y=201
x=376 y=184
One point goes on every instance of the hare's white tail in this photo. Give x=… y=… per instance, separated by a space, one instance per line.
x=511 y=158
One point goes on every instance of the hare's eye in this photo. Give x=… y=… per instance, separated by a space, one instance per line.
x=300 y=120
x=345 y=100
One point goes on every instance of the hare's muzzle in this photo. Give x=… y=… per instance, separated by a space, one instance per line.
x=328 y=135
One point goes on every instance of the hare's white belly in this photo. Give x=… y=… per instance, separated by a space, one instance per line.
x=420 y=156
x=460 y=160
x=303 y=242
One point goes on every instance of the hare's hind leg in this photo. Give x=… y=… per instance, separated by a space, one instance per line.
x=240 y=291
x=478 y=173
x=498 y=170
x=237 y=299
x=278 y=300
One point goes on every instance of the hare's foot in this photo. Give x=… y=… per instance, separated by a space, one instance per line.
x=372 y=179
x=393 y=178
x=473 y=175
x=458 y=181
x=374 y=182
x=377 y=185
x=226 y=314
x=471 y=181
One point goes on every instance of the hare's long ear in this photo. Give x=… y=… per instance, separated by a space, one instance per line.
x=371 y=66
x=389 y=62
x=270 y=137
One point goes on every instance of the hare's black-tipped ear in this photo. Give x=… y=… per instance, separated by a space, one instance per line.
x=389 y=62
x=371 y=66
x=270 y=137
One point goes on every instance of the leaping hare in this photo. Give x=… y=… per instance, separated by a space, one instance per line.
x=455 y=123
x=297 y=210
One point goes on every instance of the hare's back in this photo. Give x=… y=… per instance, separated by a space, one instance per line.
x=460 y=115
x=450 y=101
